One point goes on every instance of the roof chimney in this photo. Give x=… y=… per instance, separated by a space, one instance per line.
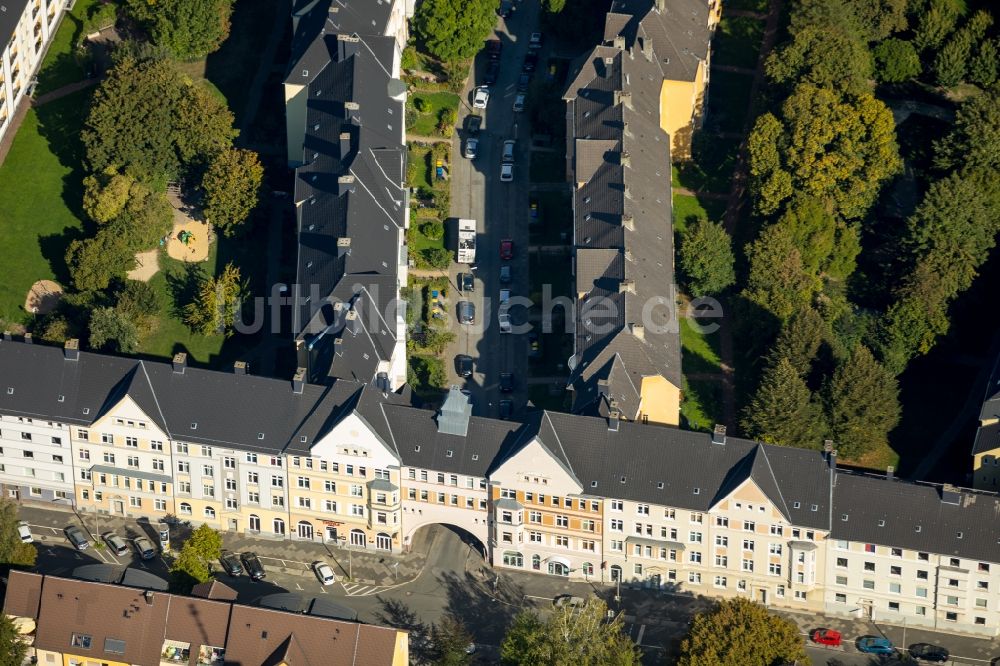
x=343 y=246
x=180 y=362
x=240 y=367
x=626 y=287
x=148 y=594
x=614 y=418
x=352 y=111
x=345 y=145
x=638 y=330
x=950 y=495
x=628 y=221
x=618 y=42
x=628 y=190
x=299 y=380
x=832 y=460
x=28 y=339
x=625 y=158
x=347 y=46
x=338 y=346
x=661 y=5
x=71 y=349
x=345 y=184
x=647 y=48
x=603 y=387
x=719 y=434
x=890 y=473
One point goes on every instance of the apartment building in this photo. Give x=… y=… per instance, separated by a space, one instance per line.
x=80 y=623
x=26 y=28
x=626 y=358
x=345 y=112
x=583 y=497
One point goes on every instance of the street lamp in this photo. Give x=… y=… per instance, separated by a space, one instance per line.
x=395 y=572
x=350 y=558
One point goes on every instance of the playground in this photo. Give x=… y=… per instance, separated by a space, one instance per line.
x=43 y=297
x=191 y=236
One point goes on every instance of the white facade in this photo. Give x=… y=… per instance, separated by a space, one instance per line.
x=35 y=459
x=24 y=51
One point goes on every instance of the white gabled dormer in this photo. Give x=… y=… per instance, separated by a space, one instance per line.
x=354 y=438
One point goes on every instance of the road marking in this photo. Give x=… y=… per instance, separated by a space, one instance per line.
x=528 y=596
x=45 y=527
x=642 y=632
x=323 y=589
x=298 y=587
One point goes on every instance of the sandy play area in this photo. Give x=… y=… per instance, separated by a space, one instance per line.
x=146 y=266
x=43 y=297
x=191 y=237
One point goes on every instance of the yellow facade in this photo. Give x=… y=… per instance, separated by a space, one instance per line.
x=660 y=401
x=681 y=108
x=986 y=470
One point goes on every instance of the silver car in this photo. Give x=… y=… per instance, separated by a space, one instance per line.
x=471 y=148
x=116 y=544
x=144 y=547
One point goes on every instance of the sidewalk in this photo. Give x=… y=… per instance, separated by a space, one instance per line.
x=356 y=564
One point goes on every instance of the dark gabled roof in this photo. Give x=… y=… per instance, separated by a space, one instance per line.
x=621 y=159
x=213 y=589
x=350 y=191
x=422 y=445
x=987 y=439
x=344 y=398
x=23 y=594
x=888 y=513
x=679 y=34
x=689 y=461
x=988 y=435
x=9 y=17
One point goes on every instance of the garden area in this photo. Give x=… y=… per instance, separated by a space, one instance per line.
x=737 y=41
x=430 y=206
x=431 y=113
x=427 y=336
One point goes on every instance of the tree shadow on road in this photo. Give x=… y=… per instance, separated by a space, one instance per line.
x=397 y=614
x=493 y=604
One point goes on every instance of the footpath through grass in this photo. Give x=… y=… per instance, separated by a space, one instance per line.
x=40 y=195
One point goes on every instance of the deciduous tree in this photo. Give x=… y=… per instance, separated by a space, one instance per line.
x=579 y=636
x=782 y=410
x=13 y=551
x=94 y=262
x=105 y=195
x=834 y=147
x=778 y=281
x=232 y=188
x=739 y=632
x=862 y=404
x=454 y=30
x=13 y=648
x=217 y=303
x=706 y=258
x=896 y=60
x=450 y=641
x=191 y=29
x=822 y=55
x=114 y=330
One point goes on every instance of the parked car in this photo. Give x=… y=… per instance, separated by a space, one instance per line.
x=567 y=600
x=253 y=566
x=533 y=210
x=530 y=61
x=492 y=72
x=506 y=382
x=493 y=48
x=24 y=532
x=503 y=318
x=536 y=41
x=523 y=82
x=507 y=249
x=116 y=544
x=480 y=98
x=230 y=562
x=77 y=537
x=519 y=103
x=463 y=365
x=144 y=548
x=474 y=123
x=467 y=282
x=324 y=572
x=506 y=409
x=506 y=173
x=466 y=312
x=508 y=150
x=505 y=274
x=826 y=637
x=471 y=148
x=534 y=345
x=875 y=645
x=928 y=652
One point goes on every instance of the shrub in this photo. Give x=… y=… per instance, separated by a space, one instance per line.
x=432 y=229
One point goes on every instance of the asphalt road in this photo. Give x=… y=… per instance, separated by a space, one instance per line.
x=501 y=212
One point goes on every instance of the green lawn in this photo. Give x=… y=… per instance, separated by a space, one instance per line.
x=427 y=121
x=701 y=408
x=60 y=67
x=728 y=100
x=700 y=351
x=547 y=166
x=711 y=167
x=40 y=196
x=687 y=207
x=419 y=166
x=737 y=41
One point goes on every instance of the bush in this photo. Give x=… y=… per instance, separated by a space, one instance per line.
x=436 y=257
x=432 y=229
x=896 y=61
x=421 y=104
x=410 y=59
x=446 y=121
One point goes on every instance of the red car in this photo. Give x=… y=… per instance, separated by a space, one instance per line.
x=826 y=637
x=506 y=249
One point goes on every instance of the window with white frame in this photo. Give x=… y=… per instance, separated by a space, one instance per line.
x=721 y=540
x=720 y=581
x=617 y=505
x=642 y=509
x=774 y=569
x=747 y=565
